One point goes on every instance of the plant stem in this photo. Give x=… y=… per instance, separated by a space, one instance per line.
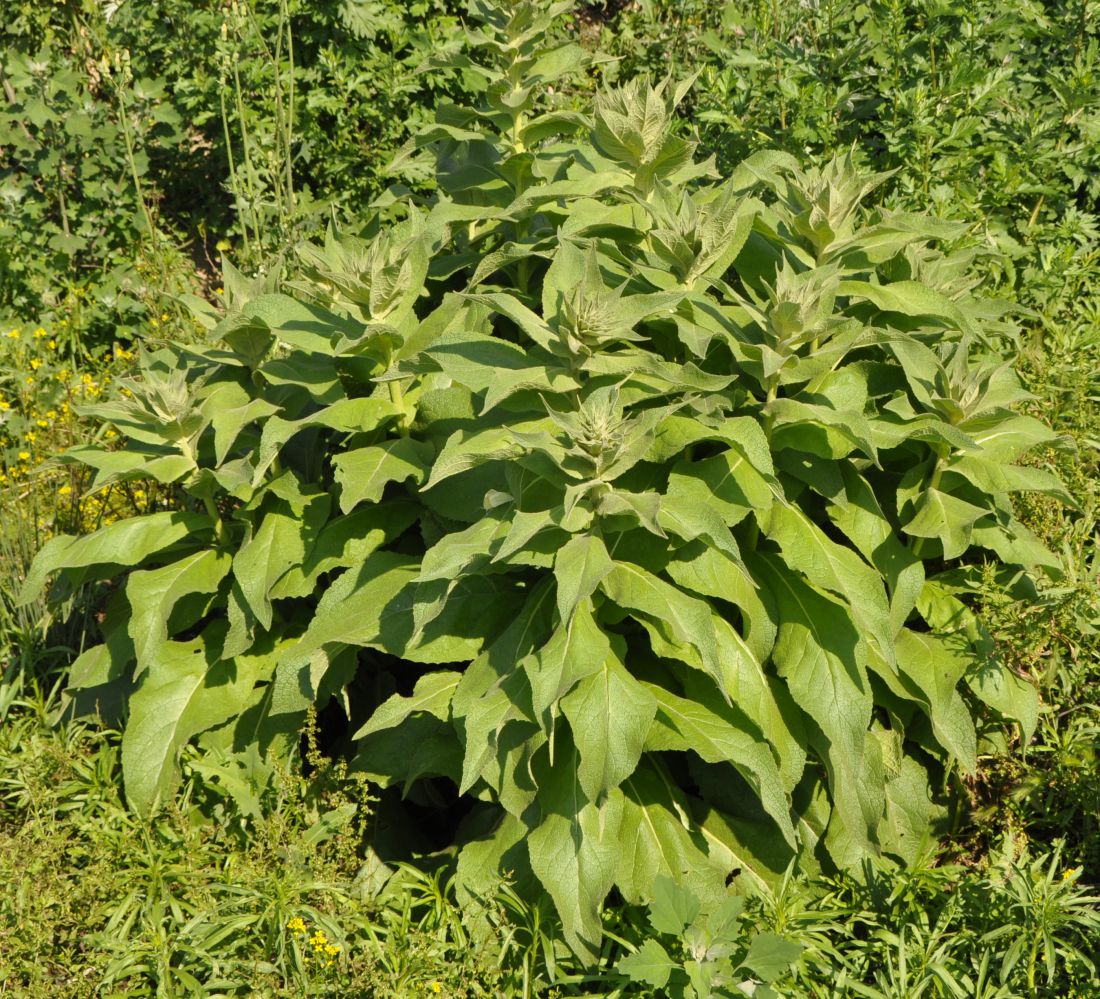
x=932 y=483
x=397 y=397
x=220 y=531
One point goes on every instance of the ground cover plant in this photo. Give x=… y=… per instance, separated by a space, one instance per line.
x=664 y=543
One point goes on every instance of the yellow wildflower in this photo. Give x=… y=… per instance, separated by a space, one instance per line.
x=64 y=490
x=39 y=333
x=31 y=436
x=332 y=950
x=52 y=344
x=4 y=404
x=297 y=924
x=164 y=317
x=436 y=987
x=41 y=423
x=24 y=456
x=13 y=334
x=51 y=414
x=36 y=363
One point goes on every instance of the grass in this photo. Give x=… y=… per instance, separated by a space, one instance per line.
x=204 y=899
x=207 y=899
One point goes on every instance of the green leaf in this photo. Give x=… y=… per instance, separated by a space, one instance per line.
x=727 y=483
x=580 y=565
x=185 y=690
x=807 y=549
x=278 y=545
x=655 y=838
x=674 y=614
x=343 y=543
x=432 y=694
x=818 y=654
x=610 y=713
x=720 y=733
x=468 y=449
x=574 y=850
x=153 y=593
x=769 y=956
x=345 y=415
x=123 y=466
x=577 y=649
x=674 y=907
x=364 y=473
x=126 y=543
x=910 y=298
x=946 y=518
x=934 y=672
x=1007 y=694
x=650 y=963
x=861 y=519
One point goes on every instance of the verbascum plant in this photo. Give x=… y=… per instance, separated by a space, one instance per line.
x=641 y=487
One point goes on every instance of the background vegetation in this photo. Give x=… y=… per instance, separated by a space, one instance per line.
x=143 y=144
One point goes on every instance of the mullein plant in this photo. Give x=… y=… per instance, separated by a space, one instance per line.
x=623 y=498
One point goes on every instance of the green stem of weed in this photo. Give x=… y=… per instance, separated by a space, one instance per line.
x=932 y=483
x=220 y=530
x=397 y=397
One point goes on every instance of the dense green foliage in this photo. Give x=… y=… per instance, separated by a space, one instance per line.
x=689 y=474
x=632 y=518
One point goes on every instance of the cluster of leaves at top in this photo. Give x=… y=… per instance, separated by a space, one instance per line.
x=624 y=495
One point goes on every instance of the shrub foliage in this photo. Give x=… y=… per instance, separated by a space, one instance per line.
x=622 y=495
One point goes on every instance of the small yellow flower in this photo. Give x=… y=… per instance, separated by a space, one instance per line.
x=153 y=323
x=1069 y=873
x=217 y=291
x=36 y=363
x=51 y=414
x=13 y=334
x=41 y=423
x=29 y=380
x=332 y=950
x=52 y=344
x=64 y=490
x=4 y=404
x=164 y=317
x=31 y=436
x=297 y=924
x=436 y=987
x=39 y=333
x=24 y=456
